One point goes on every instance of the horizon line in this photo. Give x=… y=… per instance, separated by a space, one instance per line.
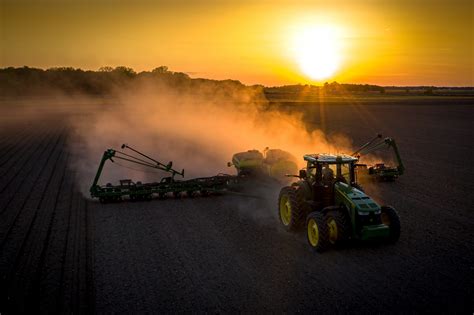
x=266 y=86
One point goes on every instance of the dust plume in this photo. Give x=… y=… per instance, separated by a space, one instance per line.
x=198 y=127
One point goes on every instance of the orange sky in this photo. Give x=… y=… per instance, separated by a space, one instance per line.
x=397 y=42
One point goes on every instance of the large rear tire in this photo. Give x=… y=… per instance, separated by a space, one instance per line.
x=389 y=216
x=290 y=209
x=317 y=232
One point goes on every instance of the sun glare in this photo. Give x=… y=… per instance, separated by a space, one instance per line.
x=318 y=51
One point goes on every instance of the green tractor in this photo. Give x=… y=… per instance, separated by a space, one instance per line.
x=334 y=208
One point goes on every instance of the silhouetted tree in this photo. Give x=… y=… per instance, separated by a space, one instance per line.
x=160 y=70
x=129 y=72
x=106 y=69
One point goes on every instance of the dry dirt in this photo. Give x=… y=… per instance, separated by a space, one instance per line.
x=60 y=252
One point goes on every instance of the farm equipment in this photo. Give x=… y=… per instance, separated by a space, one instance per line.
x=251 y=166
x=166 y=186
x=333 y=206
x=380 y=171
x=272 y=163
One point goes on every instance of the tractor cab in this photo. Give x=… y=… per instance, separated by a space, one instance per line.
x=324 y=171
x=327 y=169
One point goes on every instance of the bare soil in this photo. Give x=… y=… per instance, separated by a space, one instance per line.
x=60 y=252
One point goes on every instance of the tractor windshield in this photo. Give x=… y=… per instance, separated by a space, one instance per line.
x=328 y=173
x=340 y=172
x=345 y=172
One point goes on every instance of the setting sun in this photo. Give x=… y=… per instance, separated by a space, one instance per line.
x=317 y=50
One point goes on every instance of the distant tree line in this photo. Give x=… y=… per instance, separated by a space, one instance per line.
x=332 y=88
x=28 y=81
x=336 y=88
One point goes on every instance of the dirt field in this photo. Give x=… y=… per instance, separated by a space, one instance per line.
x=60 y=252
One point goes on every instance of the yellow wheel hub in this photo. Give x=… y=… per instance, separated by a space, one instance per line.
x=313 y=233
x=285 y=210
x=332 y=227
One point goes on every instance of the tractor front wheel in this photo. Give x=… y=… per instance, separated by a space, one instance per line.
x=389 y=217
x=290 y=211
x=317 y=232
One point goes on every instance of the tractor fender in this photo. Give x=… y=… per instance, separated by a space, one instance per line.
x=305 y=188
x=342 y=207
x=350 y=213
x=330 y=208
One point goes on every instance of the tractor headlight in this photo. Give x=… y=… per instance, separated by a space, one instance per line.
x=377 y=211
x=363 y=212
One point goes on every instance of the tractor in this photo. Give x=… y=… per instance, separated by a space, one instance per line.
x=333 y=207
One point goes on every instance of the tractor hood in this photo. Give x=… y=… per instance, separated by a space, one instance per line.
x=355 y=198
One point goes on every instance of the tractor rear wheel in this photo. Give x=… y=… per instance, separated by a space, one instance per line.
x=317 y=232
x=290 y=210
x=338 y=226
x=389 y=216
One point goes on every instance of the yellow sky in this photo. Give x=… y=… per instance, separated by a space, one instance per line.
x=398 y=42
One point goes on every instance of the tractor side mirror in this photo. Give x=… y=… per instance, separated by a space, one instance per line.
x=302 y=174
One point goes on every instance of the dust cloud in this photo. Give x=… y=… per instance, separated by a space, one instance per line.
x=199 y=128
